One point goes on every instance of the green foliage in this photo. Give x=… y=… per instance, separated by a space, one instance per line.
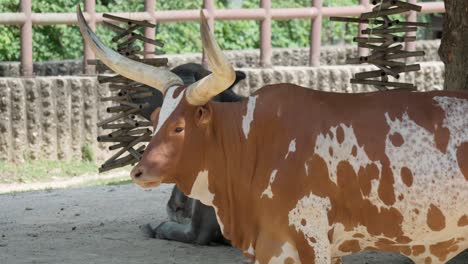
x=9 y=43
x=338 y=32
x=9 y=35
x=87 y=154
x=64 y=42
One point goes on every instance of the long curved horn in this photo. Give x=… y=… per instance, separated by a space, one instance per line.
x=160 y=79
x=222 y=75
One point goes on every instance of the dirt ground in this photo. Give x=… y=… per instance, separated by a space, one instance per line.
x=101 y=225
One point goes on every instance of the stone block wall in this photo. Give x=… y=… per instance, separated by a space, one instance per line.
x=54 y=117
x=330 y=55
x=49 y=117
x=335 y=78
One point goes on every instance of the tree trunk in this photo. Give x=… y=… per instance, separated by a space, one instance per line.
x=454 y=46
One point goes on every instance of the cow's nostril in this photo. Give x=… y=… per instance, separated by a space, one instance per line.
x=138 y=174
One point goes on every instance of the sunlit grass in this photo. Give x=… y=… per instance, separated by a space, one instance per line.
x=50 y=175
x=44 y=171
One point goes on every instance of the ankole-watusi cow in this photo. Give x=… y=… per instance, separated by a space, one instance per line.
x=302 y=176
x=190 y=221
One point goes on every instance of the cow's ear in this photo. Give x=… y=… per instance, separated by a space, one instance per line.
x=154 y=115
x=203 y=114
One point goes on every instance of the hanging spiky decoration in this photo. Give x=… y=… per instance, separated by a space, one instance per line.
x=384 y=39
x=130 y=131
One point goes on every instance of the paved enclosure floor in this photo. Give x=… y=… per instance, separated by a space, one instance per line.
x=101 y=225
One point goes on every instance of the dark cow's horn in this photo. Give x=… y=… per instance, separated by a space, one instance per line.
x=222 y=75
x=160 y=79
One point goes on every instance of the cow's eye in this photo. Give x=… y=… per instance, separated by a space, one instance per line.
x=179 y=129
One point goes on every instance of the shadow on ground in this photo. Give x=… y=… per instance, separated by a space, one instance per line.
x=101 y=225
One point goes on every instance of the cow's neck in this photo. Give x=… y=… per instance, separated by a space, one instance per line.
x=234 y=162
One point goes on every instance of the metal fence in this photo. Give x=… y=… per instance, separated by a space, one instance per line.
x=265 y=14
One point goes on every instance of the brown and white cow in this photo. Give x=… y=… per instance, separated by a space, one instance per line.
x=302 y=176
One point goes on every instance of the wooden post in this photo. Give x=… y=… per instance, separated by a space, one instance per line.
x=412 y=17
x=315 y=35
x=90 y=9
x=209 y=14
x=363 y=51
x=150 y=33
x=265 y=35
x=26 y=40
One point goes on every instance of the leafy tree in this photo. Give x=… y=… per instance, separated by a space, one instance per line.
x=9 y=35
x=454 y=47
x=64 y=42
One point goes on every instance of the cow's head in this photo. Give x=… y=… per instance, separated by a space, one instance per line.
x=182 y=126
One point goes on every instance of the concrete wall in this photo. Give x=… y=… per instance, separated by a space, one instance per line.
x=330 y=55
x=336 y=78
x=46 y=68
x=49 y=117
x=53 y=117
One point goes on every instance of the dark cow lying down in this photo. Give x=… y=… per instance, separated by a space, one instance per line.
x=190 y=220
x=301 y=176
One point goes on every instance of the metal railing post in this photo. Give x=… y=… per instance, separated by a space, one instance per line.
x=90 y=9
x=208 y=5
x=363 y=51
x=315 y=35
x=265 y=35
x=412 y=17
x=26 y=40
x=150 y=8
x=26 y=19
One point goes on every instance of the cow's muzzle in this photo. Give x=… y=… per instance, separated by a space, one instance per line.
x=140 y=176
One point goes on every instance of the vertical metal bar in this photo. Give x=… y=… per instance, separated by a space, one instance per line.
x=209 y=7
x=315 y=35
x=412 y=17
x=150 y=8
x=265 y=35
x=363 y=51
x=90 y=9
x=26 y=40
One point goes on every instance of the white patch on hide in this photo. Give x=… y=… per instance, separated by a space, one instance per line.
x=168 y=106
x=306 y=167
x=200 y=191
x=220 y=223
x=437 y=178
x=341 y=152
x=340 y=236
x=248 y=117
x=310 y=217
x=291 y=148
x=456 y=118
x=267 y=192
x=287 y=251
x=250 y=250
